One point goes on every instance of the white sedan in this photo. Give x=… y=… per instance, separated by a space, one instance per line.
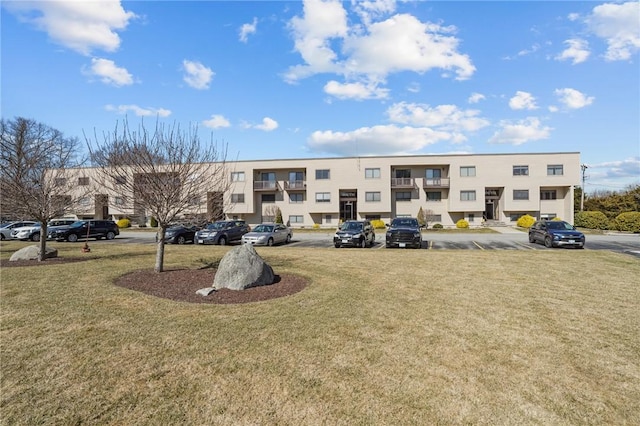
x=268 y=234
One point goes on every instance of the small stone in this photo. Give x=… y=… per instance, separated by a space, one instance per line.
x=205 y=291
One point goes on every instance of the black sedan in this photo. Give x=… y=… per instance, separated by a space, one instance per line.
x=556 y=233
x=180 y=234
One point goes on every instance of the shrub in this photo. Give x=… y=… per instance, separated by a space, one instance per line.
x=123 y=223
x=463 y=224
x=629 y=222
x=437 y=226
x=316 y=226
x=378 y=224
x=525 y=221
x=591 y=220
x=153 y=222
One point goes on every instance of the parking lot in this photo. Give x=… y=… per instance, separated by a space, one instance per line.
x=514 y=240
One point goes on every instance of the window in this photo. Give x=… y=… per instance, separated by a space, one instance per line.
x=328 y=218
x=434 y=218
x=296 y=218
x=372 y=173
x=61 y=181
x=83 y=181
x=433 y=173
x=513 y=217
x=472 y=217
x=555 y=170
x=119 y=201
x=434 y=196
x=467 y=195
x=468 y=171
x=403 y=196
x=548 y=194
x=237 y=198
x=521 y=170
x=548 y=216
x=372 y=196
x=403 y=173
x=85 y=201
x=372 y=217
x=194 y=201
x=520 y=194
x=296 y=176
x=323 y=197
x=268 y=198
x=237 y=176
x=120 y=180
x=296 y=197
x=268 y=176
x=322 y=174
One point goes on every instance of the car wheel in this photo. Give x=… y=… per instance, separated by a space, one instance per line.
x=288 y=240
x=181 y=239
x=72 y=238
x=35 y=237
x=111 y=235
x=547 y=242
x=336 y=245
x=222 y=241
x=363 y=243
x=532 y=239
x=270 y=242
x=2 y=237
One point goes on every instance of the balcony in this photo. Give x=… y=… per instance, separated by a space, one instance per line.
x=265 y=185
x=295 y=185
x=434 y=183
x=402 y=183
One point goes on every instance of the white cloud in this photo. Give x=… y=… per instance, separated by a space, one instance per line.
x=577 y=52
x=216 y=122
x=139 y=111
x=522 y=131
x=247 y=29
x=356 y=91
x=523 y=100
x=629 y=167
x=377 y=140
x=573 y=99
x=619 y=26
x=475 y=98
x=442 y=117
x=78 y=25
x=268 y=124
x=197 y=75
x=109 y=72
x=367 y=52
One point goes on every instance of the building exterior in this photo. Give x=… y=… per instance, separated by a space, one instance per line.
x=324 y=191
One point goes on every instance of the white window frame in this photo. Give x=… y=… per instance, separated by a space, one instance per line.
x=468 y=195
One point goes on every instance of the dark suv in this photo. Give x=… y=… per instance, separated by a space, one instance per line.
x=222 y=232
x=404 y=232
x=354 y=233
x=556 y=233
x=81 y=229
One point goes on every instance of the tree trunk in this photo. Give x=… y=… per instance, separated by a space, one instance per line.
x=160 y=249
x=43 y=241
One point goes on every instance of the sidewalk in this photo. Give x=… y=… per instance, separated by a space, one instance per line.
x=506 y=230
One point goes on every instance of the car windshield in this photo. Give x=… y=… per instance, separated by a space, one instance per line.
x=217 y=226
x=559 y=225
x=351 y=226
x=263 y=228
x=412 y=223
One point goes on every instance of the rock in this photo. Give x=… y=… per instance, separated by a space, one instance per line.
x=242 y=268
x=32 y=253
x=205 y=291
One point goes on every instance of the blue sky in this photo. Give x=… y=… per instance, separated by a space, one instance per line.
x=277 y=79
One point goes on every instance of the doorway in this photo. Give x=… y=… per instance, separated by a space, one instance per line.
x=348 y=204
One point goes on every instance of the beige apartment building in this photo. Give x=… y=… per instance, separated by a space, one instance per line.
x=324 y=191
x=314 y=192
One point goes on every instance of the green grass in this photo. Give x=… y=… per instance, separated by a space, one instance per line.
x=379 y=337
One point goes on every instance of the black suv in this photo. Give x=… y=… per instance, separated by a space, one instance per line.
x=556 y=233
x=354 y=233
x=404 y=232
x=81 y=229
x=222 y=232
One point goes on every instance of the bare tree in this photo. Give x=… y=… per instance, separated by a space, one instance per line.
x=38 y=173
x=165 y=173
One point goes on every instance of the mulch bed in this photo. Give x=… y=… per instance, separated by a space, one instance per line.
x=182 y=284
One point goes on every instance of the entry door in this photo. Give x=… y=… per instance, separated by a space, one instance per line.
x=488 y=210
x=348 y=211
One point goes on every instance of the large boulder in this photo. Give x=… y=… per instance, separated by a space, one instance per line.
x=242 y=268
x=33 y=253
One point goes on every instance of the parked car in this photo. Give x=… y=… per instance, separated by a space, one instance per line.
x=268 y=234
x=180 y=234
x=404 y=232
x=556 y=233
x=354 y=233
x=6 y=228
x=32 y=232
x=81 y=229
x=222 y=232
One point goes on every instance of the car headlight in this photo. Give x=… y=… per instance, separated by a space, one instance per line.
x=556 y=236
x=417 y=235
x=356 y=235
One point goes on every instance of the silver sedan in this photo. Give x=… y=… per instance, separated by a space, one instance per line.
x=268 y=234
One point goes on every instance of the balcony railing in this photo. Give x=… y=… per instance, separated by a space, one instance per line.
x=295 y=185
x=435 y=183
x=402 y=183
x=265 y=185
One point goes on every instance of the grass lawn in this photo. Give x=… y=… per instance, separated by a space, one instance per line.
x=378 y=337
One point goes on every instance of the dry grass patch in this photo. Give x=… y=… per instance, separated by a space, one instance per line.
x=378 y=337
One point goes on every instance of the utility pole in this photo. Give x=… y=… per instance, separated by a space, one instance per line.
x=584 y=168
